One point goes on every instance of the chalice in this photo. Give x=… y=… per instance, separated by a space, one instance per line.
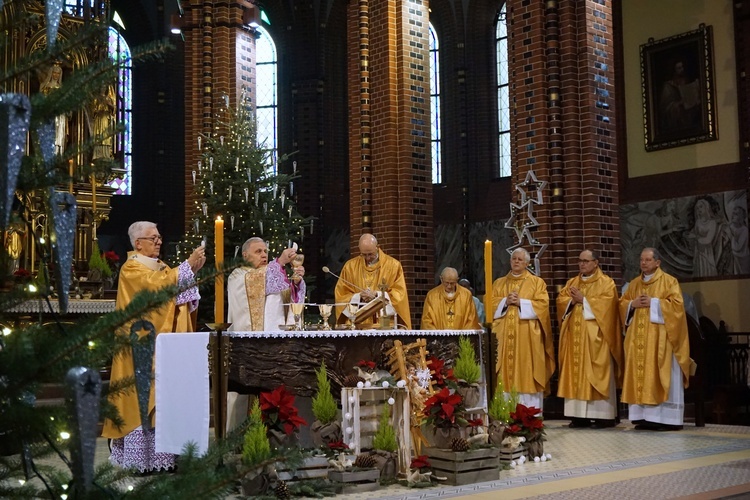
x=298 y=260
x=352 y=308
x=325 y=313
x=297 y=309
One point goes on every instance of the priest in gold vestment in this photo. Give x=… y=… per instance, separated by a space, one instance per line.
x=521 y=323
x=132 y=446
x=449 y=306
x=590 y=353
x=363 y=277
x=657 y=349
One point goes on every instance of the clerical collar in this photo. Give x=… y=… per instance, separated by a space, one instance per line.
x=377 y=259
x=647 y=277
x=584 y=278
x=516 y=275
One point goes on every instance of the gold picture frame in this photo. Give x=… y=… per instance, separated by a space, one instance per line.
x=678 y=90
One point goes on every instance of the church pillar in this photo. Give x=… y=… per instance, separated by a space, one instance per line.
x=562 y=89
x=389 y=135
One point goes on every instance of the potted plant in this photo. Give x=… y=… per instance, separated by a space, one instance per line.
x=467 y=371
x=499 y=411
x=326 y=428
x=98 y=267
x=445 y=413
x=385 y=446
x=280 y=416
x=527 y=421
x=441 y=376
x=256 y=450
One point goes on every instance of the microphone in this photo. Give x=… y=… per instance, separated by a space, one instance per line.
x=326 y=270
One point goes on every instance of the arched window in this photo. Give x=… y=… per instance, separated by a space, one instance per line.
x=437 y=165
x=503 y=96
x=119 y=51
x=266 y=98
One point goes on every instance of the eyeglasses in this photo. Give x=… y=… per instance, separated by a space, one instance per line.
x=585 y=261
x=153 y=239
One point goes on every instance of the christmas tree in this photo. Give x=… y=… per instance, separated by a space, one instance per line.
x=47 y=451
x=238 y=179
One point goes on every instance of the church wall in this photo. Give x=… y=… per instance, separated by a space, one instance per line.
x=724 y=300
x=644 y=19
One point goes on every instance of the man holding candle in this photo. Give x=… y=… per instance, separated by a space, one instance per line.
x=521 y=323
x=133 y=447
x=449 y=306
x=363 y=278
x=258 y=292
x=590 y=353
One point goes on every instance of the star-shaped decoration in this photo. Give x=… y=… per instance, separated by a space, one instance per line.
x=531 y=189
x=89 y=386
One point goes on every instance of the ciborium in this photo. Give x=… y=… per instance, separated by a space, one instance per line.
x=297 y=309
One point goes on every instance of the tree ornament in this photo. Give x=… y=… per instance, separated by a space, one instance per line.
x=294 y=167
x=143 y=356
x=211 y=163
x=249 y=174
x=196 y=226
x=194 y=176
x=247 y=195
x=199 y=148
x=282 y=197
x=229 y=194
x=84 y=390
x=231 y=222
x=221 y=140
x=64 y=218
x=236 y=251
x=204 y=206
x=200 y=166
x=53 y=12
x=261 y=226
x=237 y=165
x=211 y=186
x=15 y=116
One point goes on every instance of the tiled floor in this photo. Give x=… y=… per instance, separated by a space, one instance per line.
x=695 y=463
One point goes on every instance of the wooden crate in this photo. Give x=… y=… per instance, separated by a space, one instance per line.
x=355 y=481
x=465 y=467
x=364 y=407
x=311 y=468
x=507 y=456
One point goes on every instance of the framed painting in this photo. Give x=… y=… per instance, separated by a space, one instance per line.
x=678 y=90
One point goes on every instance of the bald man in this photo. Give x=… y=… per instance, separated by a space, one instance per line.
x=449 y=306
x=363 y=277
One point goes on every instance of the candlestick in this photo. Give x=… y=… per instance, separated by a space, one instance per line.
x=488 y=280
x=219 y=295
x=70 y=171
x=93 y=207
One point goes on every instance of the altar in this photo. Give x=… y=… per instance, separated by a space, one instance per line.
x=251 y=362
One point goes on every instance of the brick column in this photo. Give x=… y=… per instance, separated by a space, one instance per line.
x=389 y=118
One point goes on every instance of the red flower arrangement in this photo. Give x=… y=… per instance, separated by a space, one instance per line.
x=526 y=421
x=111 y=257
x=370 y=365
x=441 y=375
x=420 y=462
x=278 y=411
x=22 y=273
x=445 y=410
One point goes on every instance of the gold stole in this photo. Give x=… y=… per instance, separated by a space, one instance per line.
x=255 y=286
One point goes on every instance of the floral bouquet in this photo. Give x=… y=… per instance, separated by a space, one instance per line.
x=527 y=422
x=279 y=414
x=446 y=414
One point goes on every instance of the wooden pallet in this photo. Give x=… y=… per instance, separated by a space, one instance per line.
x=465 y=467
x=311 y=468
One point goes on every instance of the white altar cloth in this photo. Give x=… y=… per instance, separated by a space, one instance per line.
x=182 y=391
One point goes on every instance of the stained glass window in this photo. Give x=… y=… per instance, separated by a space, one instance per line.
x=266 y=109
x=503 y=99
x=437 y=166
x=119 y=51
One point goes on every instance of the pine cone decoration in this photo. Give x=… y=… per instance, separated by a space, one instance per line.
x=365 y=461
x=282 y=490
x=460 y=444
x=352 y=379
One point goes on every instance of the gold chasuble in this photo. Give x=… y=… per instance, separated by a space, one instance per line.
x=386 y=270
x=137 y=274
x=525 y=353
x=255 y=285
x=443 y=313
x=649 y=346
x=587 y=345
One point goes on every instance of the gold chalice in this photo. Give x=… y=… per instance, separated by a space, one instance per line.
x=325 y=313
x=297 y=309
x=296 y=263
x=352 y=308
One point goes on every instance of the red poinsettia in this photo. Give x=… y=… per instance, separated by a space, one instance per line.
x=337 y=446
x=22 y=273
x=111 y=256
x=420 y=462
x=445 y=410
x=441 y=375
x=526 y=421
x=278 y=411
x=370 y=365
